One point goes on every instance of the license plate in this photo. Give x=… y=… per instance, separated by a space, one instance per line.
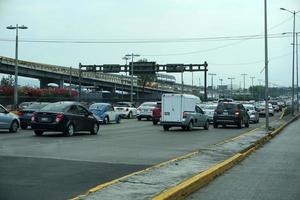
x=167 y=113
x=44 y=119
x=225 y=113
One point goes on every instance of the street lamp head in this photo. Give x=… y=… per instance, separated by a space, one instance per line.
x=23 y=27
x=282 y=9
x=11 y=27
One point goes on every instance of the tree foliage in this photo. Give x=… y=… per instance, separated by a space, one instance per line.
x=7 y=81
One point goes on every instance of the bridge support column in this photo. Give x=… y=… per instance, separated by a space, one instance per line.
x=44 y=83
x=61 y=83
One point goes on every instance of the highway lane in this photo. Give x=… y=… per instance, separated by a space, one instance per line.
x=270 y=173
x=62 y=166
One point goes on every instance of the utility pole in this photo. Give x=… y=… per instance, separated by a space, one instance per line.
x=131 y=88
x=266 y=67
x=244 y=75
x=231 y=78
x=252 y=78
x=212 y=84
x=221 y=86
x=126 y=69
x=17 y=27
x=293 y=70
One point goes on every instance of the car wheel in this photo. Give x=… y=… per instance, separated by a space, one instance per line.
x=224 y=125
x=257 y=121
x=24 y=127
x=129 y=115
x=190 y=126
x=14 y=127
x=95 y=129
x=215 y=125
x=155 y=121
x=105 y=120
x=70 y=130
x=206 y=126
x=38 y=132
x=166 y=128
x=247 y=124
x=139 y=118
x=240 y=124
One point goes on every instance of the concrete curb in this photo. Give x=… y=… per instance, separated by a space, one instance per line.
x=194 y=183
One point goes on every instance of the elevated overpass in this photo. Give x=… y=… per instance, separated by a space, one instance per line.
x=47 y=73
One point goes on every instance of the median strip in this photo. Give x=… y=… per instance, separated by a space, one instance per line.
x=191 y=171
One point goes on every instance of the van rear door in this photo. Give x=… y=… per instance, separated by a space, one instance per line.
x=171 y=108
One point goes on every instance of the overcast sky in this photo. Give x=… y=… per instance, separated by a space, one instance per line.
x=140 y=20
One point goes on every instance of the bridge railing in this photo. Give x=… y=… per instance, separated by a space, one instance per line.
x=113 y=78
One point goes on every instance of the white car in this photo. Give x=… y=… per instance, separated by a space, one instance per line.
x=8 y=120
x=126 y=109
x=145 y=110
x=254 y=115
x=209 y=110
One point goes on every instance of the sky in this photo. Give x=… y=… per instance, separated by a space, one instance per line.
x=181 y=26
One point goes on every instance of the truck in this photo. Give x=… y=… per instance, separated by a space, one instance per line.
x=182 y=110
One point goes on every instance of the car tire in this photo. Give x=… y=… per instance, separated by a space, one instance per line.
x=105 y=120
x=38 y=132
x=118 y=120
x=206 y=126
x=24 y=127
x=190 y=126
x=14 y=126
x=69 y=130
x=215 y=125
x=166 y=127
x=129 y=116
x=138 y=118
x=247 y=124
x=224 y=125
x=240 y=124
x=155 y=122
x=257 y=121
x=95 y=129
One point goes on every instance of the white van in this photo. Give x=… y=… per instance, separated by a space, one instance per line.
x=182 y=110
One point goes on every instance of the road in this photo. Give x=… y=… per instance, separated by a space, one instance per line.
x=270 y=173
x=58 y=167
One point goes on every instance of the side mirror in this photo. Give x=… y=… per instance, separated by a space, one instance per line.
x=247 y=110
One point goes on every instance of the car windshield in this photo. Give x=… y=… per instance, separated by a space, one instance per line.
x=36 y=106
x=210 y=107
x=148 y=104
x=98 y=107
x=249 y=107
x=55 y=107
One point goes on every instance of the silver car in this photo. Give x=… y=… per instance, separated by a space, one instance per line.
x=209 y=110
x=8 y=120
x=252 y=112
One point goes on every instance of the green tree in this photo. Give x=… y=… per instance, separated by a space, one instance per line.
x=7 y=81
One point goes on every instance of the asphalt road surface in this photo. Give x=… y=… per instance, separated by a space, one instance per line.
x=56 y=167
x=270 y=173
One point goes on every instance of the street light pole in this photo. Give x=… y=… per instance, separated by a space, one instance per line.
x=131 y=88
x=212 y=84
x=293 y=71
x=266 y=67
x=252 y=77
x=221 y=86
x=17 y=27
x=297 y=72
x=231 y=78
x=244 y=75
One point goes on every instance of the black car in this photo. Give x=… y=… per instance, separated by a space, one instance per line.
x=66 y=117
x=231 y=113
x=26 y=114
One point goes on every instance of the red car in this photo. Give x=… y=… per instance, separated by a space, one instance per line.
x=156 y=113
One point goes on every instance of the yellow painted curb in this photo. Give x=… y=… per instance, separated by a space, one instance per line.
x=187 y=187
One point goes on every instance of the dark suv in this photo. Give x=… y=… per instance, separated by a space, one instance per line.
x=231 y=113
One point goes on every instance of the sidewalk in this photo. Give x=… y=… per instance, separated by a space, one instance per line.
x=270 y=173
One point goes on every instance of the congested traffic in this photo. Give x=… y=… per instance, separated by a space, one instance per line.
x=174 y=110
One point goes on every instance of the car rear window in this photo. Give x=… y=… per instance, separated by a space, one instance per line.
x=226 y=106
x=122 y=105
x=149 y=104
x=37 y=105
x=55 y=107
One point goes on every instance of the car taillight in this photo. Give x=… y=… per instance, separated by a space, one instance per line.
x=59 y=118
x=237 y=112
x=33 y=117
x=20 y=113
x=184 y=114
